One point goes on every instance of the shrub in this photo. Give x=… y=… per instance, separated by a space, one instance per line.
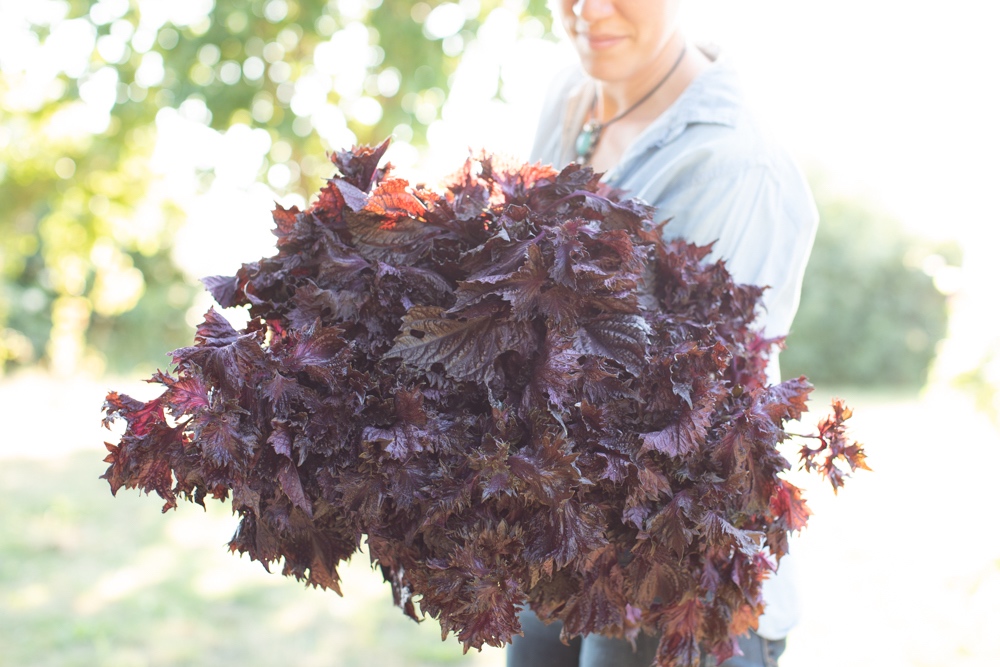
x=870 y=312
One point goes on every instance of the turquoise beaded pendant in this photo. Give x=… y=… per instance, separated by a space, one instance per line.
x=586 y=141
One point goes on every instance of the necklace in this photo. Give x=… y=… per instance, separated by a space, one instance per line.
x=590 y=133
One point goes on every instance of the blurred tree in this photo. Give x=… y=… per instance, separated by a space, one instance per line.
x=873 y=307
x=85 y=237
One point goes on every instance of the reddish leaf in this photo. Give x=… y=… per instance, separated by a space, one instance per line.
x=834 y=448
x=353 y=197
x=141 y=417
x=393 y=199
x=788 y=399
x=184 y=395
x=285 y=220
x=788 y=503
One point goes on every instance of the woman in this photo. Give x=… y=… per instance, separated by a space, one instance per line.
x=666 y=123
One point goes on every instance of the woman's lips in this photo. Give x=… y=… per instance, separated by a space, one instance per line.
x=602 y=42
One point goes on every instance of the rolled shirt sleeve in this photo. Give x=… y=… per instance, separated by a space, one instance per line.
x=762 y=224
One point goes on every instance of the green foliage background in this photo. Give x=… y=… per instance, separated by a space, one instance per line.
x=870 y=313
x=66 y=235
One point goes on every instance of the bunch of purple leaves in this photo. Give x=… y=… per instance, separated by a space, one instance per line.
x=513 y=389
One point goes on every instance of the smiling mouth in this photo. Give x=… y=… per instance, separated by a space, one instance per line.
x=601 y=42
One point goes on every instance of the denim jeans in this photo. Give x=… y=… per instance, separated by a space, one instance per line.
x=540 y=647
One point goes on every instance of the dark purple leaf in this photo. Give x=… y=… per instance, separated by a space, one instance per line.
x=466 y=348
x=619 y=338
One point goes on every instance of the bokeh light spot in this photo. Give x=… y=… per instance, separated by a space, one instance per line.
x=302 y=126
x=106 y=11
x=65 y=167
x=279 y=72
x=273 y=52
x=453 y=45
x=281 y=151
x=262 y=109
x=420 y=11
x=237 y=22
x=201 y=74
x=209 y=55
x=326 y=25
x=367 y=111
x=230 y=72
x=444 y=20
x=279 y=176
x=253 y=68
x=167 y=38
x=275 y=11
x=150 y=72
x=389 y=81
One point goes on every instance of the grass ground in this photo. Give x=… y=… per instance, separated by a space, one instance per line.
x=90 y=580
x=903 y=568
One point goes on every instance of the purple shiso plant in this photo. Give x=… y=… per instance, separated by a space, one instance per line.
x=512 y=389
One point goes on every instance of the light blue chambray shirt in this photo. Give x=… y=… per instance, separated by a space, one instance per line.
x=706 y=166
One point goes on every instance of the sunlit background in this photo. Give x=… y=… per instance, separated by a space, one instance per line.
x=143 y=144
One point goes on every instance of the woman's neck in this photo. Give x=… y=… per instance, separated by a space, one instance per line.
x=616 y=97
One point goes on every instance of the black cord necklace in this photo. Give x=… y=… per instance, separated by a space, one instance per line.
x=590 y=133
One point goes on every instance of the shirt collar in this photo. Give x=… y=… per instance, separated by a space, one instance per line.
x=714 y=97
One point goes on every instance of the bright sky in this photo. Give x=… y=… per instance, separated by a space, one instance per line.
x=899 y=98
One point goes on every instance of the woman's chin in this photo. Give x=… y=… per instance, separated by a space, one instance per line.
x=604 y=69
